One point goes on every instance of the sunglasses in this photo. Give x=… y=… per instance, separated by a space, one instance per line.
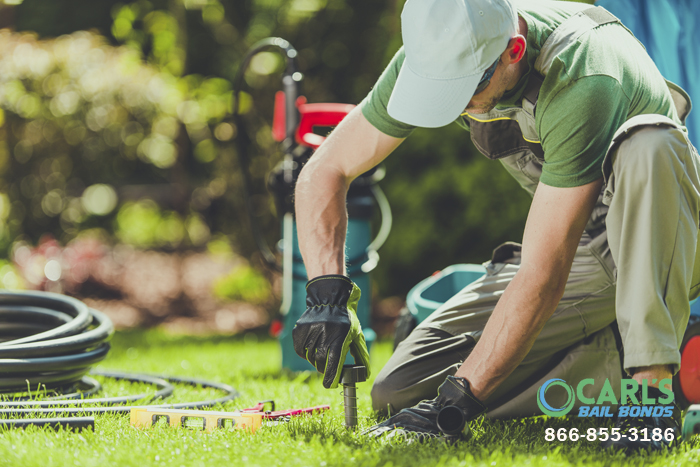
x=486 y=79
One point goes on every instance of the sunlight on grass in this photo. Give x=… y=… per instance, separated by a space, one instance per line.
x=251 y=364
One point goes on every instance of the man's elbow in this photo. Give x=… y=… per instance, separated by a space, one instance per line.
x=548 y=279
x=317 y=175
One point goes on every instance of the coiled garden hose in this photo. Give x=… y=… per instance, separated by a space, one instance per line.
x=48 y=339
x=51 y=340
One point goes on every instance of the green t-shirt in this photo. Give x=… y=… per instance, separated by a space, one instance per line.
x=591 y=89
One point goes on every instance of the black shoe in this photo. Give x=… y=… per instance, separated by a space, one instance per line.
x=637 y=433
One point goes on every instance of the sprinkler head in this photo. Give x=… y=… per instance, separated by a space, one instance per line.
x=351 y=374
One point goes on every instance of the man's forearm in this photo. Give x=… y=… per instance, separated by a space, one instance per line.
x=510 y=332
x=352 y=149
x=554 y=226
x=321 y=219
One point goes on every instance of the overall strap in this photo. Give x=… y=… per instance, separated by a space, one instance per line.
x=563 y=36
x=503 y=132
x=568 y=32
x=532 y=92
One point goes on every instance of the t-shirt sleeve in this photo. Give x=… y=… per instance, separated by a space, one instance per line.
x=374 y=106
x=576 y=128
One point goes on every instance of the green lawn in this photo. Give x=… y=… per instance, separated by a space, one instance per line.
x=253 y=367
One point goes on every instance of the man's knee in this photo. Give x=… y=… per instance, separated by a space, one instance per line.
x=382 y=393
x=652 y=153
x=391 y=391
x=419 y=365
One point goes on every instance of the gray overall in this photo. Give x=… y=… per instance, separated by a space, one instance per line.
x=633 y=267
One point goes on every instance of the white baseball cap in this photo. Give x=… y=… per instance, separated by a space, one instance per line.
x=449 y=44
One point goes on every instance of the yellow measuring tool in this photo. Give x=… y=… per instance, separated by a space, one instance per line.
x=144 y=417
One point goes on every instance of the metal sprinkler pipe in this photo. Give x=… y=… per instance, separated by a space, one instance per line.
x=351 y=374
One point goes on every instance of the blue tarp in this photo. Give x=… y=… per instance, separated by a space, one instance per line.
x=668 y=29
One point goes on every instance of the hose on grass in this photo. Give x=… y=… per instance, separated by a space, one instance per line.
x=51 y=341
x=61 y=407
x=48 y=339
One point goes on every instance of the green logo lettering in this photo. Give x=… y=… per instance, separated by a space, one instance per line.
x=607 y=394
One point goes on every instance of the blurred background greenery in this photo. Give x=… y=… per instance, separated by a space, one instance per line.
x=115 y=124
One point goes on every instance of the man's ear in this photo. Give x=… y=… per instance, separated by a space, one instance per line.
x=517 y=47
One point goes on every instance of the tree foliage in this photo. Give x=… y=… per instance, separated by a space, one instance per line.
x=127 y=128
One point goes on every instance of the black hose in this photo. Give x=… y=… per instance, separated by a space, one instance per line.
x=165 y=389
x=13 y=410
x=52 y=340
x=85 y=388
x=451 y=420
x=48 y=339
x=70 y=424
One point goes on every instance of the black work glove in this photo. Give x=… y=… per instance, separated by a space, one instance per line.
x=446 y=416
x=329 y=327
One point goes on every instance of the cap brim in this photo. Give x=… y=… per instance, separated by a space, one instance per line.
x=430 y=103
